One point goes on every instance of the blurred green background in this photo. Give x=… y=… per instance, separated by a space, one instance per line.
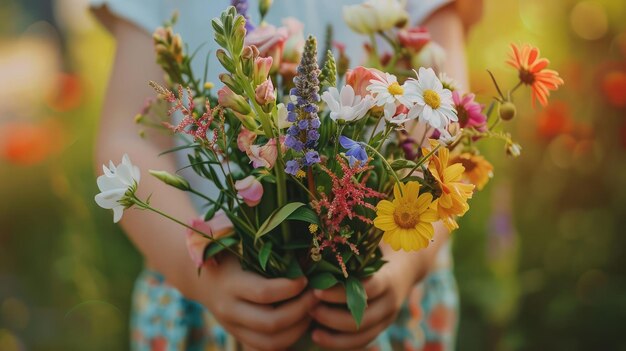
x=540 y=261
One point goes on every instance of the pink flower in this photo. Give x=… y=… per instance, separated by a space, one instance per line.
x=270 y=41
x=264 y=93
x=245 y=139
x=250 y=190
x=414 y=38
x=359 y=78
x=262 y=68
x=217 y=227
x=295 y=42
x=264 y=156
x=469 y=112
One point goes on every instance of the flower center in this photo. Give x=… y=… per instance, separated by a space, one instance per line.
x=432 y=99
x=405 y=217
x=395 y=89
x=526 y=76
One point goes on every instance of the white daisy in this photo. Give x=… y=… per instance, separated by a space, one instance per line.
x=428 y=92
x=346 y=106
x=386 y=90
x=391 y=115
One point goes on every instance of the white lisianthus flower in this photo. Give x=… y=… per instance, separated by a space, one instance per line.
x=375 y=15
x=393 y=116
x=427 y=91
x=386 y=90
x=114 y=185
x=346 y=105
x=281 y=117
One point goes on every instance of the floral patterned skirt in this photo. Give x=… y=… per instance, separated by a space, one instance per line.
x=163 y=320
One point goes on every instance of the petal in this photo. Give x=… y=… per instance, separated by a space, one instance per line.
x=109 y=199
x=385 y=223
x=385 y=207
x=118 y=211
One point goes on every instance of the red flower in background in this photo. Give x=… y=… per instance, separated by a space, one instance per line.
x=68 y=94
x=533 y=72
x=554 y=120
x=28 y=143
x=414 y=38
x=614 y=87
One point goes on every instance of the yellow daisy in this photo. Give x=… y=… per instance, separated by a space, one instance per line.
x=407 y=221
x=454 y=194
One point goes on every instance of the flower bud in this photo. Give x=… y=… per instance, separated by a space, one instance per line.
x=262 y=67
x=264 y=93
x=229 y=99
x=507 y=111
x=229 y=81
x=176 y=181
x=225 y=60
x=264 y=7
x=513 y=149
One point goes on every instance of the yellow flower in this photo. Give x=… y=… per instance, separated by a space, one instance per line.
x=313 y=228
x=407 y=221
x=454 y=194
x=477 y=169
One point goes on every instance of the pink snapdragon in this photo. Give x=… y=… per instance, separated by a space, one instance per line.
x=217 y=227
x=250 y=190
x=270 y=41
x=359 y=79
x=264 y=93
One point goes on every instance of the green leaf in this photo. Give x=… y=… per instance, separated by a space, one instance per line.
x=210 y=213
x=264 y=254
x=294 y=270
x=276 y=218
x=323 y=281
x=304 y=214
x=356 y=298
x=213 y=248
x=402 y=164
x=324 y=266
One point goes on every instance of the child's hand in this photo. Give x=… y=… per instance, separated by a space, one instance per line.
x=263 y=314
x=386 y=291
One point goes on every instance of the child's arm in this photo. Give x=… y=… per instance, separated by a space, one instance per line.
x=388 y=288
x=239 y=300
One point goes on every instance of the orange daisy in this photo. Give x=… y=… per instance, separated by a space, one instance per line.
x=533 y=72
x=452 y=200
x=478 y=170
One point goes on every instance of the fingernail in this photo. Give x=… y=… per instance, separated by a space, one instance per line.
x=318 y=293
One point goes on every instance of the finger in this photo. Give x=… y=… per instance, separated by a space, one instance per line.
x=270 y=319
x=257 y=289
x=375 y=286
x=340 y=319
x=336 y=294
x=348 y=341
x=267 y=341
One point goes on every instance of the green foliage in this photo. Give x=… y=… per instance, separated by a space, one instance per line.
x=356 y=299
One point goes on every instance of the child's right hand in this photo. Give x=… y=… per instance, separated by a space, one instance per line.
x=264 y=314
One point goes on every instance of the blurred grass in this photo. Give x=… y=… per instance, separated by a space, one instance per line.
x=540 y=260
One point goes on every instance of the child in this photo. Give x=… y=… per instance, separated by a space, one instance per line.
x=170 y=301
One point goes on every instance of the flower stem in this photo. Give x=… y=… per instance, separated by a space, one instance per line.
x=423 y=160
x=146 y=206
x=385 y=162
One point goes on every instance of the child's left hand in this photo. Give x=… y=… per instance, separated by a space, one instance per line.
x=386 y=292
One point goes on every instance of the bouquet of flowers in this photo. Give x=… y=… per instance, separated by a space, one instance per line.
x=317 y=164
